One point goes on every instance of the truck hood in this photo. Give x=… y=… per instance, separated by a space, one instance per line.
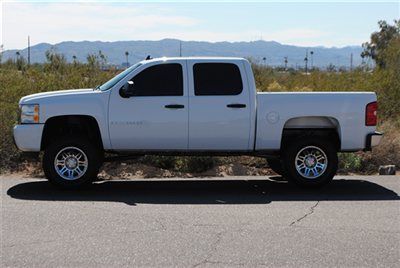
x=39 y=97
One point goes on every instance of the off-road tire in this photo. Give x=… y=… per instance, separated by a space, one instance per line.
x=292 y=149
x=94 y=161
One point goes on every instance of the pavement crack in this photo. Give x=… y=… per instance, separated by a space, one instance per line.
x=311 y=211
x=213 y=247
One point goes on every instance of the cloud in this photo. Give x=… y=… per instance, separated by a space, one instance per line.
x=72 y=21
x=52 y=23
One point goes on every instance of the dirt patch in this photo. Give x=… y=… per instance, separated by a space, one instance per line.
x=135 y=170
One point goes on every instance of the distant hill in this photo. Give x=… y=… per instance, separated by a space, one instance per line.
x=274 y=52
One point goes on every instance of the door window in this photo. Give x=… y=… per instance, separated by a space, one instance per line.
x=217 y=79
x=159 y=80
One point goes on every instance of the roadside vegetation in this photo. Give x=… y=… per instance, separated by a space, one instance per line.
x=18 y=79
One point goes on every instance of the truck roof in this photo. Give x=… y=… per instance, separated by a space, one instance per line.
x=196 y=58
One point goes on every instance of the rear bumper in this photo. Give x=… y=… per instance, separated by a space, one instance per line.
x=373 y=139
x=28 y=137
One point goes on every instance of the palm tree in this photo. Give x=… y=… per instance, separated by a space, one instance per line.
x=286 y=62
x=126 y=55
x=312 y=60
x=74 y=61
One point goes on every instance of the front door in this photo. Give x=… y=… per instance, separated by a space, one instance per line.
x=156 y=117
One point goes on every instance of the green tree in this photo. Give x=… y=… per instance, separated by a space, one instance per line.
x=20 y=61
x=93 y=61
x=380 y=41
x=55 y=61
x=103 y=59
x=74 y=60
x=127 y=61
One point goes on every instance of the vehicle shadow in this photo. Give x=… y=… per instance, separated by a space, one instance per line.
x=205 y=191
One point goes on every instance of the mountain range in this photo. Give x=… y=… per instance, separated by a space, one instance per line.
x=266 y=52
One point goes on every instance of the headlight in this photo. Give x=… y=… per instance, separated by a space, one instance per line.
x=29 y=113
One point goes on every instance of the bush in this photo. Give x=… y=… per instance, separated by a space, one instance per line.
x=350 y=162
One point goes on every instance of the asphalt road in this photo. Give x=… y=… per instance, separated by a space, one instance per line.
x=248 y=221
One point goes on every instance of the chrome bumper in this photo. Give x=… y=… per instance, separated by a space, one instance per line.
x=373 y=139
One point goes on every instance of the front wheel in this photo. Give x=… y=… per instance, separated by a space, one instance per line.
x=71 y=162
x=310 y=162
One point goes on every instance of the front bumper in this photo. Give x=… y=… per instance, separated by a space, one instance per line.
x=373 y=139
x=28 y=137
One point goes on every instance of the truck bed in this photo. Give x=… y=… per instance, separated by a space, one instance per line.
x=344 y=111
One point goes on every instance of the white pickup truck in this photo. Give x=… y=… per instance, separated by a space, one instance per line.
x=194 y=106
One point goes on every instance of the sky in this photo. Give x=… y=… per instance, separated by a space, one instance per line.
x=303 y=23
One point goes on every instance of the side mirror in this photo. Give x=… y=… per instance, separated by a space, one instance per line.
x=127 y=90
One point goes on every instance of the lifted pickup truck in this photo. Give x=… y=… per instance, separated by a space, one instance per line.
x=193 y=106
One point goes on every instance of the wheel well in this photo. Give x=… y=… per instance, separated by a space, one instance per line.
x=311 y=122
x=71 y=125
x=291 y=134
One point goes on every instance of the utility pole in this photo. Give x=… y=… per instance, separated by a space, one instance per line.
x=351 y=62
x=29 y=51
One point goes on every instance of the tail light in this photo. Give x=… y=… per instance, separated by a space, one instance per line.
x=371 y=114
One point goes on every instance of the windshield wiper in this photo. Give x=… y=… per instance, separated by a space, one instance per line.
x=96 y=88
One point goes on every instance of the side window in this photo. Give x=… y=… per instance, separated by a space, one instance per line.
x=217 y=79
x=159 y=80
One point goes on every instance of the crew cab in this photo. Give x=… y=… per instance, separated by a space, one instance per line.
x=194 y=106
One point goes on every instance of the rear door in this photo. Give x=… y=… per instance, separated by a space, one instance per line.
x=219 y=101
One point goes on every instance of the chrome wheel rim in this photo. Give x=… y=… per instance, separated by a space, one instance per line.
x=71 y=163
x=311 y=162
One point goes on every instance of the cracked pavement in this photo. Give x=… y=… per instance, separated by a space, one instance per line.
x=208 y=222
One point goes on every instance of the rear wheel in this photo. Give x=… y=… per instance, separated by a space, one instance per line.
x=71 y=162
x=310 y=162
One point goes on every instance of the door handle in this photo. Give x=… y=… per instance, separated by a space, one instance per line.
x=236 y=105
x=174 y=106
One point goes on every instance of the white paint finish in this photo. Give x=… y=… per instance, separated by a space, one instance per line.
x=214 y=126
x=88 y=102
x=143 y=123
x=347 y=108
x=28 y=137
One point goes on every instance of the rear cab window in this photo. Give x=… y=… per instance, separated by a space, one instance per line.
x=217 y=79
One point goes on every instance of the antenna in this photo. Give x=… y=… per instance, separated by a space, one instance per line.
x=29 y=51
x=180 y=48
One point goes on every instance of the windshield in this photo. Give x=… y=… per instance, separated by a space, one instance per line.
x=110 y=83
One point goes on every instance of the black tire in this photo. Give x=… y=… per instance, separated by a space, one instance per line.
x=94 y=161
x=276 y=166
x=304 y=145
